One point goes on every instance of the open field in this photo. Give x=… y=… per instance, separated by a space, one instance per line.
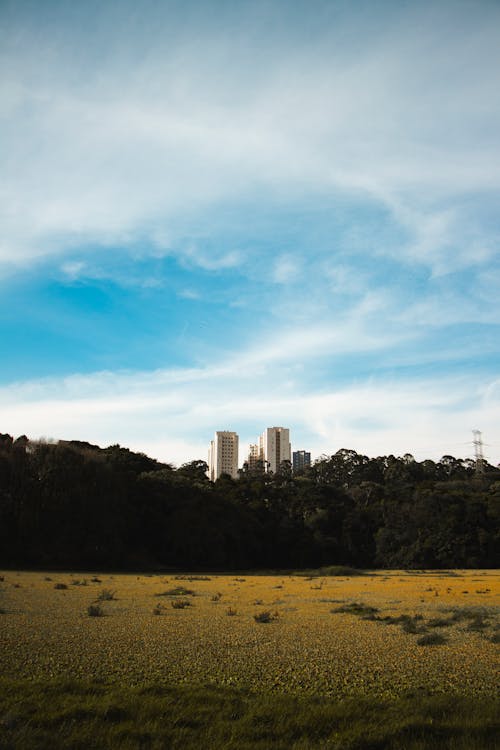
x=47 y=632
x=386 y=636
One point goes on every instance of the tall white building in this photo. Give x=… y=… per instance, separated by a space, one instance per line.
x=274 y=447
x=223 y=455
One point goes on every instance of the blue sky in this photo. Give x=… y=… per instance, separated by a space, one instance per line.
x=237 y=215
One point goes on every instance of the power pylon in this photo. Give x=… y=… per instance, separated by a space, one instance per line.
x=478 y=451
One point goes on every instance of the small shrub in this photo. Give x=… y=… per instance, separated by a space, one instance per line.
x=431 y=639
x=47 y=578
x=266 y=616
x=356 y=608
x=439 y=622
x=495 y=638
x=192 y=578
x=340 y=570
x=178 y=591
x=95 y=610
x=158 y=610
x=83 y=582
x=60 y=586
x=409 y=624
x=318 y=587
x=95 y=579
x=106 y=595
x=216 y=597
x=231 y=612
x=180 y=603
x=477 y=624
x=459 y=614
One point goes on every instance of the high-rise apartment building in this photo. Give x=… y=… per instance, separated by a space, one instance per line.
x=223 y=455
x=274 y=447
x=300 y=460
x=254 y=463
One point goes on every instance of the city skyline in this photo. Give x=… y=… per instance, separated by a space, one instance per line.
x=251 y=213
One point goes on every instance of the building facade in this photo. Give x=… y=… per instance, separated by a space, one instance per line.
x=300 y=460
x=223 y=455
x=274 y=448
x=254 y=463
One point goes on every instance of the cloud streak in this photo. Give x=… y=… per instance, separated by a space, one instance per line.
x=172 y=415
x=279 y=212
x=140 y=147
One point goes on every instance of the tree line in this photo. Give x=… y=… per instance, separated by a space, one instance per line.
x=73 y=504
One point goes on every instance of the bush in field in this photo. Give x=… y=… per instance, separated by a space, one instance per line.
x=106 y=595
x=410 y=624
x=266 y=616
x=439 y=622
x=180 y=603
x=356 y=608
x=432 y=639
x=95 y=610
x=340 y=570
x=178 y=591
x=60 y=586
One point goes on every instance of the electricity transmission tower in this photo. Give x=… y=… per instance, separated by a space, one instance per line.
x=478 y=451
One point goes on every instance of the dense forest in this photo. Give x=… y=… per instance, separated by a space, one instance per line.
x=73 y=504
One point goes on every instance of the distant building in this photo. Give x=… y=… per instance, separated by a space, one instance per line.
x=254 y=463
x=274 y=448
x=300 y=460
x=223 y=455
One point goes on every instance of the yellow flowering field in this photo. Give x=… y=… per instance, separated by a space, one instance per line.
x=382 y=633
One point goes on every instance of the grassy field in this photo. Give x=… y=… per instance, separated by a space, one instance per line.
x=389 y=659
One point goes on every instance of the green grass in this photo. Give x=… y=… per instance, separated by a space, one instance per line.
x=91 y=716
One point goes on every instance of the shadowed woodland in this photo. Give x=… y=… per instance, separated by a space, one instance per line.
x=73 y=504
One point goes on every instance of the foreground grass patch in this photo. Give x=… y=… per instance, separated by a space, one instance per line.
x=62 y=714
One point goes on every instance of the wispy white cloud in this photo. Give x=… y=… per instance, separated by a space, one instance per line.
x=286 y=269
x=411 y=119
x=149 y=137
x=173 y=415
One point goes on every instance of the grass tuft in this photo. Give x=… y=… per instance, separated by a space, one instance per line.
x=180 y=603
x=432 y=639
x=106 y=595
x=177 y=591
x=356 y=608
x=95 y=610
x=439 y=622
x=266 y=616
